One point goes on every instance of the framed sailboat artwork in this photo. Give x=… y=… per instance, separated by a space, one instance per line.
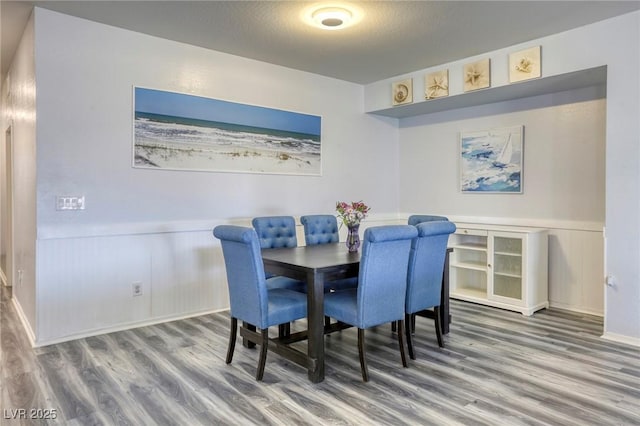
x=491 y=160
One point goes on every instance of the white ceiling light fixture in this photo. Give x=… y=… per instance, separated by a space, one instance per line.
x=332 y=16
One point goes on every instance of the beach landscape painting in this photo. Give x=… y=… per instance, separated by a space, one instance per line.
x=491 y=160
x=185 y=132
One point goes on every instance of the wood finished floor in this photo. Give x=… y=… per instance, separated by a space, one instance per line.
x=498 y=368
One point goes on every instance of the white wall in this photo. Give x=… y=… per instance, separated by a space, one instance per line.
x=614 y=43
x=85 y=76
x=563 y=171
x=19 y=112
x=563 y=181
x=155 y=226
x=622 y=300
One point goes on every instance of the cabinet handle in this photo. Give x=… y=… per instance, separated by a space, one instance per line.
x=489 y=265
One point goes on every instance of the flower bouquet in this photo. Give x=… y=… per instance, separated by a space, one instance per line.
x=351 y=215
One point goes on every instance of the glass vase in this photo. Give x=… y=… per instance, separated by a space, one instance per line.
x=353 y=238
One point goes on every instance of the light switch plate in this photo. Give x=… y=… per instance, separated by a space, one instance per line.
x=70 y=202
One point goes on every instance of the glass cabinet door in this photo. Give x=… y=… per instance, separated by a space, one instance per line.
x=506 y=267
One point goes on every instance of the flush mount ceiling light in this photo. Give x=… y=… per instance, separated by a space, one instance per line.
x=332 y=16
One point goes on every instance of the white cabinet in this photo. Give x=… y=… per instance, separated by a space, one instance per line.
x=500 y=266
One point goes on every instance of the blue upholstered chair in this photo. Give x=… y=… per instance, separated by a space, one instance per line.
x=419 y=218
x=323 y=229
x=278 y=232
x=382 y=282
x=250 y=297
x=424 y=278
x=320 y=229
x=415 y=220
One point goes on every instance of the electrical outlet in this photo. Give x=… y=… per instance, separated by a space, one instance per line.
x=137 y=288
x=611 y=281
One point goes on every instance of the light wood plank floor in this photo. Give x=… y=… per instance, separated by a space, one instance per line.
x=498 y=368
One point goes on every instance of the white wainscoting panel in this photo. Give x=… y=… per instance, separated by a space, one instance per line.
x=576 y=259
x=576 y=270
x=184 y=268
x=85 y=285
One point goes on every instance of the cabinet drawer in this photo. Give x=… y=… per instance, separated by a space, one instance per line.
x=466 y=231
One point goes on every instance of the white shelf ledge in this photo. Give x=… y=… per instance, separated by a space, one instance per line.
x=541 y=86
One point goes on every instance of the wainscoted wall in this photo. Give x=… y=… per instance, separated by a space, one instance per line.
x=563 y=181
x=576 y=270
x=428 y=164
x=154 y=227
x=576 y=260
x=89 y=279
x=19 y=112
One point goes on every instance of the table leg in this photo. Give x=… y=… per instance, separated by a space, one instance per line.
x=245 y=342
x=315 y=324
x=445 y=317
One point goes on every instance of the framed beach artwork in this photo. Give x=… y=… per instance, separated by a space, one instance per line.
x=491 y=160
x=177 y=131
x=524 y=65
x=477 y=75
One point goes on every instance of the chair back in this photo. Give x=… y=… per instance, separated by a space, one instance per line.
x=382 y=280
x=245 y=273
x=426 y=263
x=419 y=218
x=320 y=229
x=276 y=231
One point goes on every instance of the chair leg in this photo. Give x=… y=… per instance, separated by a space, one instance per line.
x=284 y=330
x=245 y=342
x=363 y=361
x=401 y=342
x=407 y=318
x=232 y=339
x=264 y=344
x=438 y=326
x=413 y=323
x=393 y=326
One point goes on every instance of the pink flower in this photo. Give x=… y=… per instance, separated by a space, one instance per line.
x=352 y=214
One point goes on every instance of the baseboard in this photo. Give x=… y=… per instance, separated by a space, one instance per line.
x=25 y=323
x=619 y=338
x=575 y=309
x=122 y=327
x=3 y=277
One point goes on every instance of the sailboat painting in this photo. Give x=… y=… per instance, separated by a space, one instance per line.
x=491 y=160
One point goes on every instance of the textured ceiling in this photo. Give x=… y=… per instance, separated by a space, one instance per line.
x=393 y=38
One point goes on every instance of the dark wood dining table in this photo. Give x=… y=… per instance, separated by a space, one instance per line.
x=316 y=265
